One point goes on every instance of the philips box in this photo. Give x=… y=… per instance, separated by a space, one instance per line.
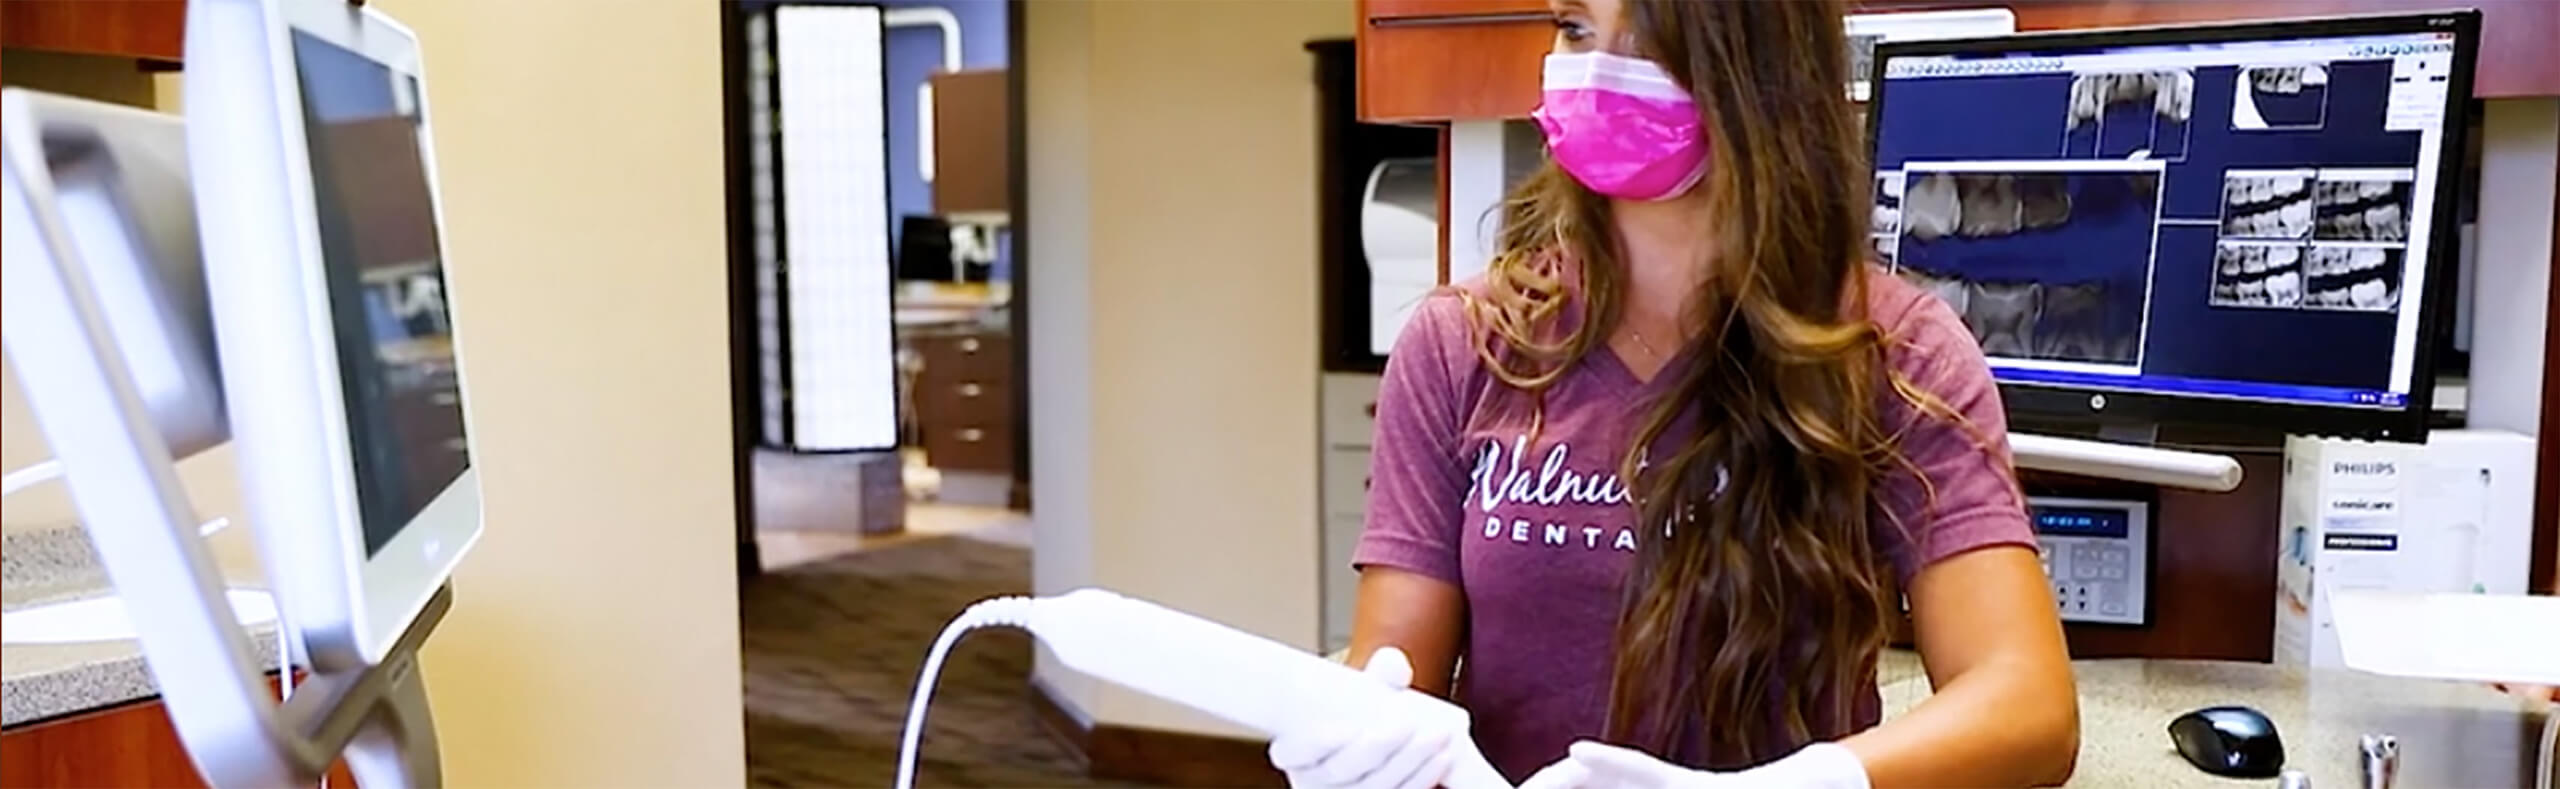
x=2451 y=515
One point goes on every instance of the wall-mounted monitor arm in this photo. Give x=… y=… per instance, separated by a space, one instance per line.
x=2109 y=460
x=122 y=477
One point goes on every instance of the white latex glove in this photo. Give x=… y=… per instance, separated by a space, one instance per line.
x=1399 y=745
x=1594 y=765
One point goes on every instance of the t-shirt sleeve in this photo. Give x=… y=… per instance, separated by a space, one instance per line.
x=1417 y=474
x=1960 y=491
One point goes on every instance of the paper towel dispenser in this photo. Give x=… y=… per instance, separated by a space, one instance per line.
x=1378 y=192
x=1400 y=241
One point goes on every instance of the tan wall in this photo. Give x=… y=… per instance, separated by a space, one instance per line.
x=594 y=639
x=1174 y=330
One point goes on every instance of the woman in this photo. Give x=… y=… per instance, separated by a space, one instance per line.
x=1665 y=474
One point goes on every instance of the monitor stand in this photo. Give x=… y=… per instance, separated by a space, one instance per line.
x=376 y=716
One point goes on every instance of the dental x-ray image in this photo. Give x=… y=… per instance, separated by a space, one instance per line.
x=2362 y=210
x=1985 y=205
x=2271 y=204
x=2041 y=264
x=2356 y=277
x=1887 y=218
x=2257 y=274
x=2280 y=97
x=2135 y=114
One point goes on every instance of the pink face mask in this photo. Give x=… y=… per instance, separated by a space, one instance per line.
x=1621 y=126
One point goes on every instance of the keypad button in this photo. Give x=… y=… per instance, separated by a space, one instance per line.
x=2112 y=608
x=2113 y=572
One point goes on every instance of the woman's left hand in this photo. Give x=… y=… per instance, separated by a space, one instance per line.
x=1595 y=765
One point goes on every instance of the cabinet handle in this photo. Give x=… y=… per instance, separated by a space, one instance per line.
x=1372 y=409
x=971 y=435
x=970 y=389
x=1450 y=20
x=968 y=345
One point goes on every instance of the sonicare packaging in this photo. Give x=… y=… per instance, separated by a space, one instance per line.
x=2451 y=515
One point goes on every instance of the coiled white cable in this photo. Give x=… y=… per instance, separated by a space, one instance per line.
x=31 y=476
x=1007 y=611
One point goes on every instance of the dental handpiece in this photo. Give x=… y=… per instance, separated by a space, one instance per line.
x=1238 y=677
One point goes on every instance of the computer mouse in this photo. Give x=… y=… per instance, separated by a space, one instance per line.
x=2238 y=742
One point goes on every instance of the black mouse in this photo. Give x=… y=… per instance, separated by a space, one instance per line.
x=2238 y=742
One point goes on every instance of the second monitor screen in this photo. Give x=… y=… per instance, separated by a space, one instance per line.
x=2238 y=219
x=385 y=276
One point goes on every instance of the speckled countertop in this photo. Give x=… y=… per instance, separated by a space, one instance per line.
x=2452 y=735
x=56 y=564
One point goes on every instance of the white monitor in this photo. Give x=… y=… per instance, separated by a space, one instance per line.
x=107 y=328
x=116 y=179
x=315 y=176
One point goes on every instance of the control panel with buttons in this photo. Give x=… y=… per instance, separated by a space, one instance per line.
x=2098 y=554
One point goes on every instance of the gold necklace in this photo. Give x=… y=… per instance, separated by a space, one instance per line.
x=1649 y=352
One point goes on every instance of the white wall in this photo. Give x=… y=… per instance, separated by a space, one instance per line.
x=2511 y=293
x=1173 y=313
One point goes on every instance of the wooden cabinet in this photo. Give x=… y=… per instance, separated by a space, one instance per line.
x=964 y=401
x=145 y=29
x=1440 y=60
x=132 y=745
x=971 y=141
x=1417 y=9
x=1451 y=60
x=129 y=745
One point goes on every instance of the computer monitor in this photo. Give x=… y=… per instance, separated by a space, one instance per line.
x=2237 y=226
x=315 y=175
x=924 y=250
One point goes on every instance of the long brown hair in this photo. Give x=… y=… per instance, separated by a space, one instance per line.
x=1761 y=609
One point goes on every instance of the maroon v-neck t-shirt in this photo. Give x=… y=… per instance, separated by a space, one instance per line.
x=1540 y=534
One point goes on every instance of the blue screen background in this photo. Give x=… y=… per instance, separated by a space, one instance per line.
x=2013 y=117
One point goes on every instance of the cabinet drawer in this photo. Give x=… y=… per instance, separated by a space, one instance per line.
x=1341 y=581
x=985 y=446
x=1406 y=9
x=1443 y=69
x=946 y=398
x=982 y=356
x=1350 y=409
x=1346 y=482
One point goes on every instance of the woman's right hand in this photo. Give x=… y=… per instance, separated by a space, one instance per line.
x=1400 y=745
